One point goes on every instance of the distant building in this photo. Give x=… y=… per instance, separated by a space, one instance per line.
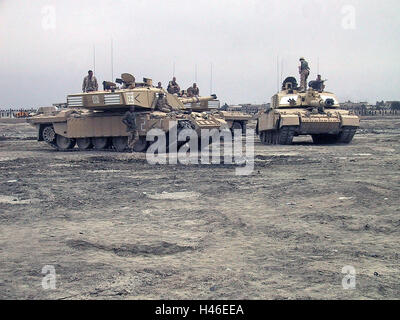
x=349 y=105
x=388 y=104
x=366 y=109
x=15 y=113
x=234 y=108
x=254 y=108
x=6 y=114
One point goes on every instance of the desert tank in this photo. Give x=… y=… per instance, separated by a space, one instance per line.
x=235 y=120
x=93 y=120
x=312 y=112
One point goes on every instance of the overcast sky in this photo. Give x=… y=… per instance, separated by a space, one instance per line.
x=46 y=47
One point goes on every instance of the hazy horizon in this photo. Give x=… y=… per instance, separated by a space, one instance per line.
x=47 y=47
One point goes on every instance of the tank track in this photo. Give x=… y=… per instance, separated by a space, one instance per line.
x=286 y=135
x=347 y=134
x=283 y=136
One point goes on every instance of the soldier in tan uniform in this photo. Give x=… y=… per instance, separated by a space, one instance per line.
x=304 y=71
x=173 y=86
x=162 y=104
x=193 y=91
x=90 y=83
x=129 y=119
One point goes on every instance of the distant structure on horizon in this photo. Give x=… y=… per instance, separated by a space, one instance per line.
x=246 y=107
x=360 y=108
x=24 y=112
x=381 y=107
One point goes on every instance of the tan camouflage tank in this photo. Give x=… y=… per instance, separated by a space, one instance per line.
x=93 y=120
x=312 y=112
x=236 y=120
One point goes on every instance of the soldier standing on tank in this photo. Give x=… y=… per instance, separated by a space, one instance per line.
x=304 y=71
x=320 y=86
x=129 y=119
x=90 y=83
x=193 y=91
x=173 y=86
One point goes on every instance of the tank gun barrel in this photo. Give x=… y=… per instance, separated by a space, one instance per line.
x=316 y=103
x=198 y=99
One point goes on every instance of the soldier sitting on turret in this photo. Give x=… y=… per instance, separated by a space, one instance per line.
x=173 y=86
x=193 y=91
x=162 y=104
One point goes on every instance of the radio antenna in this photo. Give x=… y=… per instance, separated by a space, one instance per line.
x=112 y=59
x=94 y=59
x=211 y=78
x=277 y=73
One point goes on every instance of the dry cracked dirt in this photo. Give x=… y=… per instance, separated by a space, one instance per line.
x=115 y=227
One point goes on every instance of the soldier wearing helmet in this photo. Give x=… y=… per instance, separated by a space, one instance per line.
x=304 y=71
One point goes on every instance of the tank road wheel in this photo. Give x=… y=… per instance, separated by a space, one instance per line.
x=84 y=143
x=120 y=143
x=100 y=143
x=285 y=135
x=347 y=134
x=49 y=134
x=141 y=145
x=64 y=143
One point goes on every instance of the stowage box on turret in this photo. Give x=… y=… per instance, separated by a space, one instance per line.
x=312 y=112
x=93 y=120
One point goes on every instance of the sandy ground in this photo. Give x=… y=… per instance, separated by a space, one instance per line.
x=116 y=227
